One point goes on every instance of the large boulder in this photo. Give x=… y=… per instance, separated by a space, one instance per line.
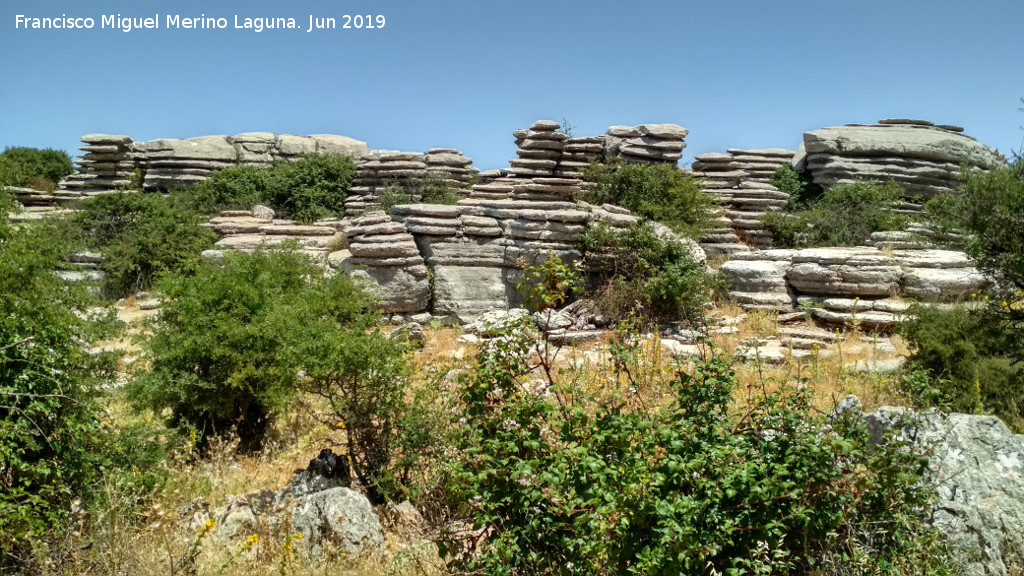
x=978 y=465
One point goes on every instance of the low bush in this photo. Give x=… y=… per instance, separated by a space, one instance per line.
x=308 y=189
x=638 y=272
x=570 y=484
x=35 y=168
x=392 y=196
x=844 y=215
x=972 y=355
x=141 y=236
x=801 y=189
x=658 y=192
x=236 y=188
x=311 y=188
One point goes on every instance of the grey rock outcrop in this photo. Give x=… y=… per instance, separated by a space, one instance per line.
x=384 y=253
x=328 y=514
x=741 y=182
x=110 y=161
x=409 y=172
x=863 y=285
x=244 y=231
x=978 y=466
x=924 y=159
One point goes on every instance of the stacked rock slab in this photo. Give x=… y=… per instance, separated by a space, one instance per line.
x=108 y=163
x=245 y=230
x=924 y=159
x=863 y=286
x=740 y=182
x=384 y=253
x=477 y=249
x=647 y=143
x=760 y=165
x=184 y=163
x=410 y=171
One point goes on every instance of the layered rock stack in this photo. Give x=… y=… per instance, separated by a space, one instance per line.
x=410 y=171
x=448 y=167
x=379 y=170
x=245 y=230
x=185 y=163
x=924 y=159
x=760 y=165
x=647 y=143
x=384 y=253
x=845 y=286
x=740 y=181
x=108 y=163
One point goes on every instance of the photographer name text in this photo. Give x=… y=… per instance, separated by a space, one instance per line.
x=311 y=23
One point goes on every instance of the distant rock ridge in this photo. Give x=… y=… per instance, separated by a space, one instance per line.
x=109 y=161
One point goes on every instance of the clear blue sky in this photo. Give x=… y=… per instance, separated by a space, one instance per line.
x=466 y=73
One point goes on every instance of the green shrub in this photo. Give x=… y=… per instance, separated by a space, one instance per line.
x=226 y=350
x=393 y=195
x=141 y=236
x=980 y=351
x=990 y=208
x=311 y=188
x=801 y=189
x=569 y=484
x=658 y=192
x=364 y=379
x=971 y=353
x=548 y=284
x=54 y=444
x=236 y=188
x=19 y=166
x=845 y=215
x=637 y=272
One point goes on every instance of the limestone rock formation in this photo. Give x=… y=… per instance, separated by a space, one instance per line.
x=925 y=160
x=861 y=285
x=110 y=160
x=978 y=465
x=741 y=182
x=385 y=254
x=243 y=230
x=108 y=163
x=411 y=172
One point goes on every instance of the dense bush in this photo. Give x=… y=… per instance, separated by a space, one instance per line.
x=659 y=192
x=41 y=169
x=227 y=348
x=844 y=215
x=311 y=188
x=236 y=188
x=980 y=351
x=990 y=208
x=971 y=353
x=801 y=189
x=307 y=189
x=141 y=236
x=639 y=272
x=54 y=444
x=569 y=484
